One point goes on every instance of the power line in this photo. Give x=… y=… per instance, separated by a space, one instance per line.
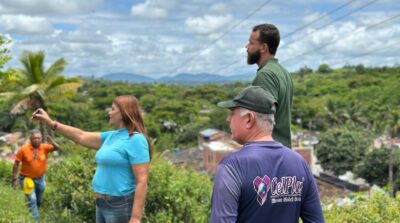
x=319 y=18
x=373 y=51
x=310 y=23
x=333 y=21
x=330 y=43
x=221 y=36
x=227 y=66
x=396 y=43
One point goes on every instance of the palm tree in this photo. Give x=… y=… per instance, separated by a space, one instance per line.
x=353 y=115
x=393 y=129
x=393 y=121
x=38 y=85
x=334 y=112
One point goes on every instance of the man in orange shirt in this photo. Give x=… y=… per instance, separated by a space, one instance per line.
x=33 y=157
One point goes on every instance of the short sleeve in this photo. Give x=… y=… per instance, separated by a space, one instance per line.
x=105 y=135
x=138 y=149
x=48 y=148
x=268 y=81
x=19 y=155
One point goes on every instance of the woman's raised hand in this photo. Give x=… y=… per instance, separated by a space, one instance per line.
x=41 y=115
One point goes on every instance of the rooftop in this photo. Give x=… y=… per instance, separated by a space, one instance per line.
x=209 y=132
x=219 y=146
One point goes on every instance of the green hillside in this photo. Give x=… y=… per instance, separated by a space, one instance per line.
x=349 y=97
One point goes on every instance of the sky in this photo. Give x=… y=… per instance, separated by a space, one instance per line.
x=158 y=38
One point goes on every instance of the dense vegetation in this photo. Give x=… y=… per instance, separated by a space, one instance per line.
x=377 y=207
x=349 y=107
x=322 y=101
x=176 y=194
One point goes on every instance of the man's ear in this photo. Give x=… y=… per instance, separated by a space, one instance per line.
x=264 y=48
x=251 y=120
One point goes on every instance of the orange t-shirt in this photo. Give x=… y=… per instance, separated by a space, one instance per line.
x=31 y=167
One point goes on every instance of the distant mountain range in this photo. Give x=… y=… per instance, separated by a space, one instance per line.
x=127 y=77
x=187 y=79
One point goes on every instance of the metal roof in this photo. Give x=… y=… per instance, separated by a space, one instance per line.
x=209 y=132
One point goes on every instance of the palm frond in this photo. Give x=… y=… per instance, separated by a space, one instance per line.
x=31 y=89
x=64 y=89
x=32 y=66
x=21 y=106
x=55 y=69
x=74 y=79
x=56 y=82
x=8 y=95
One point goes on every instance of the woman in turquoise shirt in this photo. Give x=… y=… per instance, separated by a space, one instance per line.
x=122 y=158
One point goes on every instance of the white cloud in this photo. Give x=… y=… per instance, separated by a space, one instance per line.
x=22 y=24
x=346 y=42
x=110 y=40
x=63 y=7
x=175 y=49
x=83 y=36
x=208 y=24
x=218 y=8
x=142 y=10
x=313 y=16
x=152 y=9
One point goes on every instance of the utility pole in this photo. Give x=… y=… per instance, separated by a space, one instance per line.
x=391 y=191
x=391 y=183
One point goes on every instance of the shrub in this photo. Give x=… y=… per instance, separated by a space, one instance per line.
x=378 y=208
x=5 y=172
x=177 y=194
x=69 y=184
x=340 y=149
x=12 y=203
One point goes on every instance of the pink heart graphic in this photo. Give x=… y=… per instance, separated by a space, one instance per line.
x=262 y=186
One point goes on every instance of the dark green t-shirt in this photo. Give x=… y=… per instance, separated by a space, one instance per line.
x=277 y=80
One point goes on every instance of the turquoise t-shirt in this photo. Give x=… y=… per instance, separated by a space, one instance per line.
x=114 y=160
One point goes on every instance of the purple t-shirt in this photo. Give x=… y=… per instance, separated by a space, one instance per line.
x=265 y=182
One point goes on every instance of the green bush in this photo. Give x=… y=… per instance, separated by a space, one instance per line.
x=378 y=208
x=69 y=184
x=13 y=206
x=51 y=210
x=5 y=172
x=177 y=194
x=340 y=149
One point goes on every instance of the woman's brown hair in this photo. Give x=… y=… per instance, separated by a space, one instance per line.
x=132 y=116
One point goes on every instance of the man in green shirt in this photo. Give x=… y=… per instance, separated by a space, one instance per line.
x=261 y=50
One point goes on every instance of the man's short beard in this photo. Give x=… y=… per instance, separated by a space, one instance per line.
x=253 y=58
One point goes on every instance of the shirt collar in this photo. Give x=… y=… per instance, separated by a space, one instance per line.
x=31 y=147
x=272 y=60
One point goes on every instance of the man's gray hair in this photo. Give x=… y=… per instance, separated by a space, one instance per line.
x=35 y=131
x=266 y=121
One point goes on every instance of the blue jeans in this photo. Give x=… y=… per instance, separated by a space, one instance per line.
x=35 y=198
x=112 y=209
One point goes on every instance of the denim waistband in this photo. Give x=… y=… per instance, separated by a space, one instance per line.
x=22 y=176
x=107 y=196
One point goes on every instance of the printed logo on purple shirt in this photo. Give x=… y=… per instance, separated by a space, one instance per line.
x=262 y=186
x=287 y=186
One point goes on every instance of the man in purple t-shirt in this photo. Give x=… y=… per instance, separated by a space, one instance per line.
x=264 y=181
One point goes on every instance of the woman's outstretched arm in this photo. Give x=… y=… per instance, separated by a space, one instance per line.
x=88 y=139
